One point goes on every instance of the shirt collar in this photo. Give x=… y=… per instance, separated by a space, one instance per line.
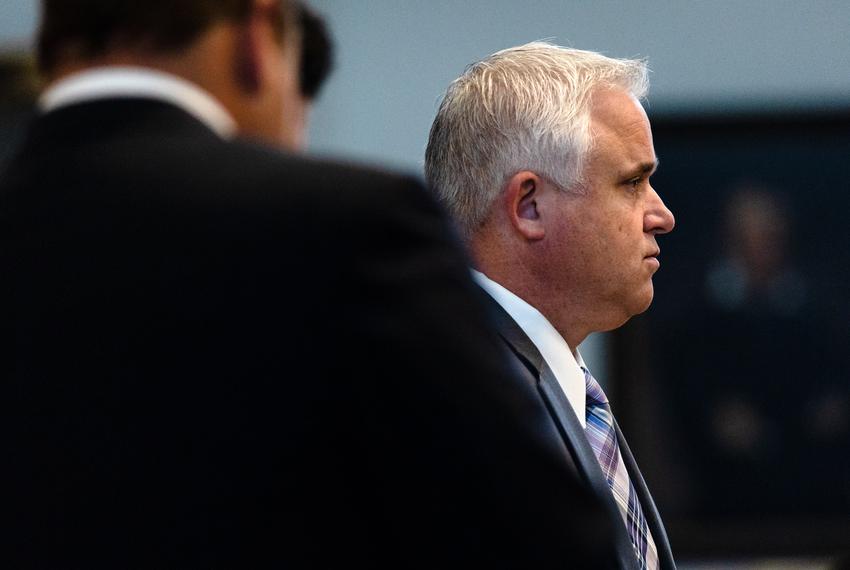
x=553 y=348
x=121 y=82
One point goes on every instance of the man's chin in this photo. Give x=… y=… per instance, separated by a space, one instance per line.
x=627 y=309
x=643 y=302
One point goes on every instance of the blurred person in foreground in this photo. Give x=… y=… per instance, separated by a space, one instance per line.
x=219 y=355
x=544 y=155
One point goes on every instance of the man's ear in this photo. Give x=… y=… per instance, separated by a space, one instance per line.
x=249 y=49
x=522 y=204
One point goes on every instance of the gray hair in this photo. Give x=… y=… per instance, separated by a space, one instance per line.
x=523 y=108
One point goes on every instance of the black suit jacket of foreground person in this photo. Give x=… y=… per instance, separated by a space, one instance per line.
x=220 y=356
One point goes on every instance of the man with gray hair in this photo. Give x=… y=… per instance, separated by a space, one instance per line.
x=544 y=155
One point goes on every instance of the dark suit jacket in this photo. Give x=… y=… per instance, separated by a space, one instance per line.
x=572 y=437
x=216 y=355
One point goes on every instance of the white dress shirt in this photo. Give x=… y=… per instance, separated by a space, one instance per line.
x=552 y=346
x=120 y=82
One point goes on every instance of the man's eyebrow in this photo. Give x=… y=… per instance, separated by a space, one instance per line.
x=649 y=167
x=643 y=168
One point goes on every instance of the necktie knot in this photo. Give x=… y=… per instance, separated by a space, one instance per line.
x=595 y=395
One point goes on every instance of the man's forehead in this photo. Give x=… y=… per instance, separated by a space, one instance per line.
x=617 y=109
x=622 y=139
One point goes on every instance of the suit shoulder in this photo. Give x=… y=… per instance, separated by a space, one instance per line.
x=326 y=172
x=327 y=184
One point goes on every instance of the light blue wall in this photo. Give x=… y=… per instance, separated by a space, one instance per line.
x=17 y=22
x=397 y=56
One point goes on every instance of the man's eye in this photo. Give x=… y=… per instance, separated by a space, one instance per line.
x=634 y=183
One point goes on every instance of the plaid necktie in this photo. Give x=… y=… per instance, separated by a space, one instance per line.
x=603 y=440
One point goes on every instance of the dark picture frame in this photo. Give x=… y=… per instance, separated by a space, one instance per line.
x=734 y=388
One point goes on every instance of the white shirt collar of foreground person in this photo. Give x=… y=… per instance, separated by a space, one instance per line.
x=126 y=81
x=552 y=346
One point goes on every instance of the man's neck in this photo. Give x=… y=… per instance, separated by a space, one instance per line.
x=514 y=281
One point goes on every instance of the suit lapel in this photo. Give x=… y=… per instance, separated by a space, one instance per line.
x=570 y=429
x=579 y=447
x=565 y=421
x=650 y=511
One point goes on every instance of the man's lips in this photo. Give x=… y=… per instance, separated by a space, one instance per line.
x=653 y=258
